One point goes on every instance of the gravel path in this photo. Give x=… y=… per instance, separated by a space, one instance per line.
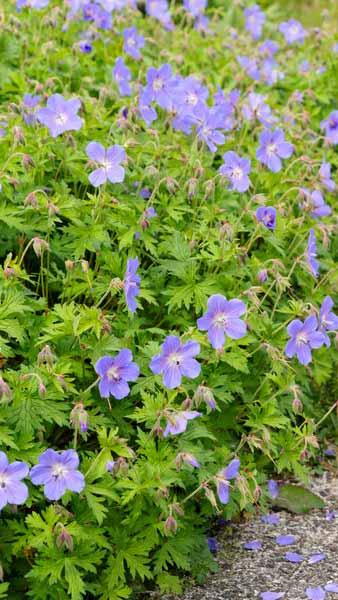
x=245 y=574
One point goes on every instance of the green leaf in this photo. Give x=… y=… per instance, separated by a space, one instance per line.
x=298 y=499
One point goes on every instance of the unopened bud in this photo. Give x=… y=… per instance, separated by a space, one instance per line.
x=79 y=417
x=177 y=508
x=27 y=161
x=53 y=209
x=65 y=540
x=209 y=187
x=171 y=184
x=187 y=404
x=18 y=134
x=297 y=405
x=85 y=266
x=46 y=356
x=5 y=391
x=1 y=573
x=31 y=200
x=262 y=275
x=257 y=493
x=69 y=264
x=170 y=526
x=226 y=231
x=116 y=284
x=39 y=246
x=204 y=394
x=192 y=187
x=9 y=272
x=210 y=496
x=42 y=389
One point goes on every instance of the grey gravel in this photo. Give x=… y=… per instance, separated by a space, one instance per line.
x=244 y=574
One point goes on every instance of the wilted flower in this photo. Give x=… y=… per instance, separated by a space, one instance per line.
x=236 y=170
x=60 y=115
x=222 y=319
x=304 y=338
x=175 y=361
x=267 y=216
x=12 y=490
x=131 y=284
x=262 y=275
x=188 y=458
x=109 y=160
x=57 y=471
x=272 y=148
x=122 y=76
x=133 y=42
x=115 y=372
x=223 y=478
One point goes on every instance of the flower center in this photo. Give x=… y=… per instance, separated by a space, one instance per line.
x=113 y=373
x=301 y=338
x=61 y=118
x=271 y=149
x=221 y=320
x=59 y=470
x=106 y=164
x=175 y=359
x=237 y=173
x=192 y=99
x=294 y=30
x=158 y=84
x=131 y=41
x=3 y=480
x=206 y=131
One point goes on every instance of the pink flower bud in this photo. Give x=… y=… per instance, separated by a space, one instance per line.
x=170 y=526
x=42 y=389
x=65 y=540
x=39 y=246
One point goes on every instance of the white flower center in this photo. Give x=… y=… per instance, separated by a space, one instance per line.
x=206 y=131
x=301 y=338
x=59 y=470
x=3 y=480
x=271 y=148
x=61 y=118
x=131 y=41
x=106 y=164
x=113 y=373
x=192 y=99
x=221 y=319
x=237 y=173
x=158 y=84
x=175 y=358
x=294 y=30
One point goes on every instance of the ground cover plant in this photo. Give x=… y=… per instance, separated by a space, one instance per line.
x=167 y=280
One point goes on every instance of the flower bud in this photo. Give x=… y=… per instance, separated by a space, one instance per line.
x=31 y=200
x=210 y=496
x=177 y=508
x=18 y=134
x=209 y=187
x=42 y=389
x=79 y=417
x=46 y=356
x=27 y=161
x=192 y=187
x=187 y=404
x=171 y=184
x=297 y=405
x=85 y=266
x=1 y=573
x=262 y=275
x=204 y=394
x=69 y=264
x=9 y=272
x=170 y=526
x=65 y=540
x=5 y=391
x=110 y=465
x=39 y=246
